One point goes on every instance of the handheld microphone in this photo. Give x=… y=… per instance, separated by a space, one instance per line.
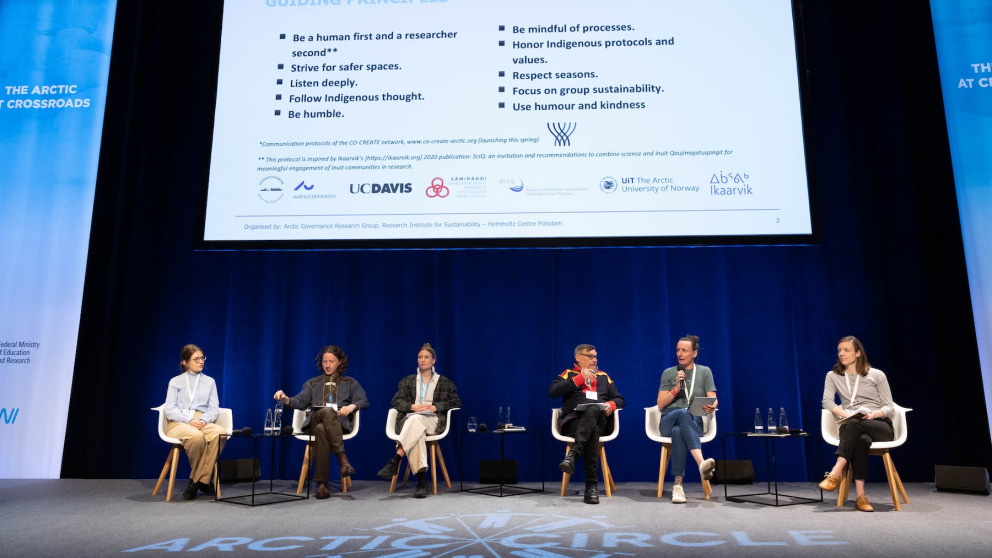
x=286 y=430
x=482 y=427
x=681 y=368
x=246 y=431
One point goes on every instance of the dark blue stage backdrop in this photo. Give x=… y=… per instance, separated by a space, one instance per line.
x=889 y=269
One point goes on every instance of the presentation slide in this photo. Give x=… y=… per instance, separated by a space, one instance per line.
x=451 y=120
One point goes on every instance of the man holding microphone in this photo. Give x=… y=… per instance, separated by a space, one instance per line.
x=589 y=398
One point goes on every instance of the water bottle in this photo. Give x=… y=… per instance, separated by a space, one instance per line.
x=500 y=417
x=277 y=419
x=783 y=422
x=759 y=425
x=771 y=421
x=508 y=416
x=268 y=422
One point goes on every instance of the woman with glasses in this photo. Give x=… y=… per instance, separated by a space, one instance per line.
x=191 y=406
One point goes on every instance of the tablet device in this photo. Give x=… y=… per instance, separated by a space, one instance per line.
x=696 y=406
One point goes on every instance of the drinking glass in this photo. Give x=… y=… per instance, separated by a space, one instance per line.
x=472 y=425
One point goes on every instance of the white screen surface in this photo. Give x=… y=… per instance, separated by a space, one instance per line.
x=472 y=120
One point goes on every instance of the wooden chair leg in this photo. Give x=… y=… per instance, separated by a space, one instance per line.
x=845 y=486
x=665 y=449
x=406 y=473
x=902 y=489
x=607 y=475
x=707 y=489
x=172 y=472
x=392 y=485
x=165 y=469
x=444 y=468
x=891 y=475
x=434 y=466
x=217 y=481
x=565 y=476
x=304 y=470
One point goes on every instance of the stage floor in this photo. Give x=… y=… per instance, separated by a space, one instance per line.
x=71 y=517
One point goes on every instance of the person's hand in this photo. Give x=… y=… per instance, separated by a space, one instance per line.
x=873 y=415
x=198 y=423
x=346 y=410
x=710 y=409
x=608 y=410
x=588 y=375
x=279 y=396
x=421 y=408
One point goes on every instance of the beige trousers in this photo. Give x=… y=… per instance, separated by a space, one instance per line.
x=413 y=438
x=202 y=446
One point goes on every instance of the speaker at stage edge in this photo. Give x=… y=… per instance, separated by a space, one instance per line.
x=973 y=480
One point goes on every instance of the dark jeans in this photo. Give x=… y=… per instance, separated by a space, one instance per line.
x=856 y=438
x=586 y=428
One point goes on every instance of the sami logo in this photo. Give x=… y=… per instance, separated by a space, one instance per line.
x=8 y=416
x=372 y=188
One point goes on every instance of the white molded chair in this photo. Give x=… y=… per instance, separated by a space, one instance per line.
x=652 y=427
x=224 y=419
x=831 y=435
x=603 y=465
x=432 y=445
x=298 y=418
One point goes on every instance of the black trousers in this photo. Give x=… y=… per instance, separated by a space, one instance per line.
x=856 y=438
x=586 y=429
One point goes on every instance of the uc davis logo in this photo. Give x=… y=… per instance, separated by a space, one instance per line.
x=8 y=416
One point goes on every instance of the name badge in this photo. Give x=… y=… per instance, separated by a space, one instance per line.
x=592 y=395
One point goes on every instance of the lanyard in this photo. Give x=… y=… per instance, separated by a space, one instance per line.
x=423 y=386
x=854 y=391
x=692 y=384
x=192 y=393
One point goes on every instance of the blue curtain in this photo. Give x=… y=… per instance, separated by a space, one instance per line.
x=887 y=268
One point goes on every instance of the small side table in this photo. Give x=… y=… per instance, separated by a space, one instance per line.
x=270 y=496
x=771 y=472
x=502 y=487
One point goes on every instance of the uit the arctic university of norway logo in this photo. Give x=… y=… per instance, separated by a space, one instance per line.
x=270 y=189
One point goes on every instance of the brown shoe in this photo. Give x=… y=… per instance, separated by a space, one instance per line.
x=829 y=482
x=863 y=504
x=323 y=492
x=346 y=469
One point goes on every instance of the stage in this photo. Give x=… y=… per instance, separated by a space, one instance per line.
x=72 y=517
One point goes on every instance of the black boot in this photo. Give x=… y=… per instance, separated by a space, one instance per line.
x=421 y=491
x=190 y=491
x=206 y=488
x=391 y=468
x=567 y=465
x=592 y=494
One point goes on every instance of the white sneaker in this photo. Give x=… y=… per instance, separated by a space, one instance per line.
x=678 y=494
x=706 y=469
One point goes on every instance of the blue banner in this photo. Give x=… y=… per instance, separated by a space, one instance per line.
x=54 y=63
x=963 y=31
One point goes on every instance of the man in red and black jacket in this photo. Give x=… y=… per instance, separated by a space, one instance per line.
x=588 y=399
